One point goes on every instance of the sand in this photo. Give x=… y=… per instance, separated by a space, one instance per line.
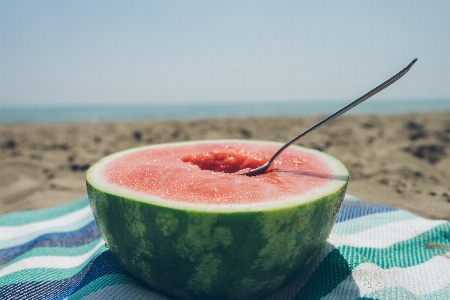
x=397 y=160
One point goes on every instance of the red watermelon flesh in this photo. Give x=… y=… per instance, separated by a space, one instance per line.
x=204 y=173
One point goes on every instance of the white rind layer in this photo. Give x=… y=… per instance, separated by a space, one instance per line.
x=95 y=178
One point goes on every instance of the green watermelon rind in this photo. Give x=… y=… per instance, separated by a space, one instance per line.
x=193 y=254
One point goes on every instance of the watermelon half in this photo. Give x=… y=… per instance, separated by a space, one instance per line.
x=179 y=219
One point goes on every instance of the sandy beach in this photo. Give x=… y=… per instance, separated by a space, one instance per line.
x=397 y=160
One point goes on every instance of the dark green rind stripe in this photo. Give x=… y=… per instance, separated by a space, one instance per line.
x=200 y=255
x=342 y=260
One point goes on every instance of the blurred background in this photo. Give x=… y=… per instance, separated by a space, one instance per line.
x=113 y=60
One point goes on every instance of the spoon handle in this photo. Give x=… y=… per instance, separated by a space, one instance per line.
x=262 y=169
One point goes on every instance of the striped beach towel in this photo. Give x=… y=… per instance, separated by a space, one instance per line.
x=373 y=252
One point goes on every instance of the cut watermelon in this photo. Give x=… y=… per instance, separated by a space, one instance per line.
x=179 y=219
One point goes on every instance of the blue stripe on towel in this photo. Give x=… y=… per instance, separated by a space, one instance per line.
x=356 y=209
x=75 y=238
x=102 y=265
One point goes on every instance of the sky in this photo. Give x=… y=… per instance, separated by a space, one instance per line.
x=177 y=52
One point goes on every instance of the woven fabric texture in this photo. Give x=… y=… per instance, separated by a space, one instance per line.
x=373 y=252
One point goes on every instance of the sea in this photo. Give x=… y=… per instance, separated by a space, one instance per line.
x=95 y=114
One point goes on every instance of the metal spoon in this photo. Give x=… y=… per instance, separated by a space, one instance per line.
x=262 y=169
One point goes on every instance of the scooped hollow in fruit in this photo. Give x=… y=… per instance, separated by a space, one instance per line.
x=226 y=162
